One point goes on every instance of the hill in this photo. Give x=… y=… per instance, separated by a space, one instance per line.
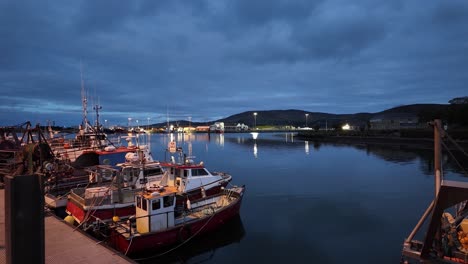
x=297 y=118
x=453 y=113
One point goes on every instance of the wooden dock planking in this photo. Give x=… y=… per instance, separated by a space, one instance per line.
x=64 y=244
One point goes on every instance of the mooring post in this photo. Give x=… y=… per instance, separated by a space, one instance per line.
x=24 y=219
x=437 y=153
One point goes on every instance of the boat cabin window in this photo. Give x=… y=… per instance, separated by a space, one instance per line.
x=152 y=171
x=131 y=172
x=141 y=203
x=168 y=201
x=186 y=173
x=155 y=204
x=138 y=202
x=199 y=172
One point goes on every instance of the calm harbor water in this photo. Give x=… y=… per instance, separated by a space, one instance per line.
x=307 y=202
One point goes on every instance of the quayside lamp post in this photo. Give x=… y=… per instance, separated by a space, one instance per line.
x=306 y=115
x=148 y=119
x=255 y=120
x=129 y=122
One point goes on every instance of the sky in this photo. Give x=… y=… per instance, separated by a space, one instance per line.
x=208 y=59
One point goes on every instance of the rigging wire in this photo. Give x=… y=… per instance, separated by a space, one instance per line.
x=454 y=158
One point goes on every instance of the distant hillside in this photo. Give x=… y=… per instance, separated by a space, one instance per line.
x=454 y=113
x=297 y=118
x=415 y=109
x=293 y=117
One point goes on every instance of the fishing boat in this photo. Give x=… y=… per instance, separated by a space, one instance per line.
x=158 y=223
x=192 y=179
x=92 y=206
x=200 y=249
x=446 y=238
x=62 y=175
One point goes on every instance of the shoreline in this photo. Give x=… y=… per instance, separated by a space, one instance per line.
x=425 y=143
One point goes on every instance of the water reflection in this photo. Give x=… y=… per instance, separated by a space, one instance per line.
x=200 y=249
x=255 y=150
x=402 y=154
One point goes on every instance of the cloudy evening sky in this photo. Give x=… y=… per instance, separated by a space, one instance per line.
x=213 y=59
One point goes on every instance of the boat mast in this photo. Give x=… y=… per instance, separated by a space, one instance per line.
x=84 y=101
x=97 y=107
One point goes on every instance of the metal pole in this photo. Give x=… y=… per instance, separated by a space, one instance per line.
x=421 y=221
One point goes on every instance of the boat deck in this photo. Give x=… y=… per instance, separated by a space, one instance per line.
x=63 y=244
x=204 y=209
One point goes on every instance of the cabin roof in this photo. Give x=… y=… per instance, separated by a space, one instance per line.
x=152 y=164
x=165 y=191
x=182 y=166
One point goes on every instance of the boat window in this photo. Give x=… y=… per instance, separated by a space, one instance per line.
x=138 y=201
x=186 y=173
x=130 y=172
x=143 y=204
x=199 y=172
x=168 y=201
x=152 y=171
x=156 y=204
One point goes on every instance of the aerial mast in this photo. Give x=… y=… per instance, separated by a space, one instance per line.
x=84 y=100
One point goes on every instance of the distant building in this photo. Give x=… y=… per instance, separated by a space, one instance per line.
x=395 y=121
x=217 y=127
x=202 y=129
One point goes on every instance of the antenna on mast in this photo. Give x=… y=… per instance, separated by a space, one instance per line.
x=84 y=100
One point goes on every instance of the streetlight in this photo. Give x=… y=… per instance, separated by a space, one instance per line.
x=105 y=123
x=148 y=122
x=129 y=122
x=137 y=124
x=255 y=120
x=307 y=115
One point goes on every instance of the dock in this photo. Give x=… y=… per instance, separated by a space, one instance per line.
x=64 y=243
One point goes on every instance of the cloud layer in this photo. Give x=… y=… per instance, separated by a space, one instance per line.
x=211 y=59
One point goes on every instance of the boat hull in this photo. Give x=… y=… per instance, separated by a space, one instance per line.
x=105 y=212
x=175 y=235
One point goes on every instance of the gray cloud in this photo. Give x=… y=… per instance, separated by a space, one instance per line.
x=212 y=59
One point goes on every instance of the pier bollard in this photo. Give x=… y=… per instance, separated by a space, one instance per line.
x=24 y=219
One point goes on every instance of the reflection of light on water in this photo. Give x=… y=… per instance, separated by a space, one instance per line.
x=306 y=147
x=220 y=140
x=287 y=135
x=254 y=135
x=255 y=150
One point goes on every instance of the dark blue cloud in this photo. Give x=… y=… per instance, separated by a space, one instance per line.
x=212 y=59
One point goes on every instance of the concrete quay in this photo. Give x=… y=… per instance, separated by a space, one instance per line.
x=64 y=243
